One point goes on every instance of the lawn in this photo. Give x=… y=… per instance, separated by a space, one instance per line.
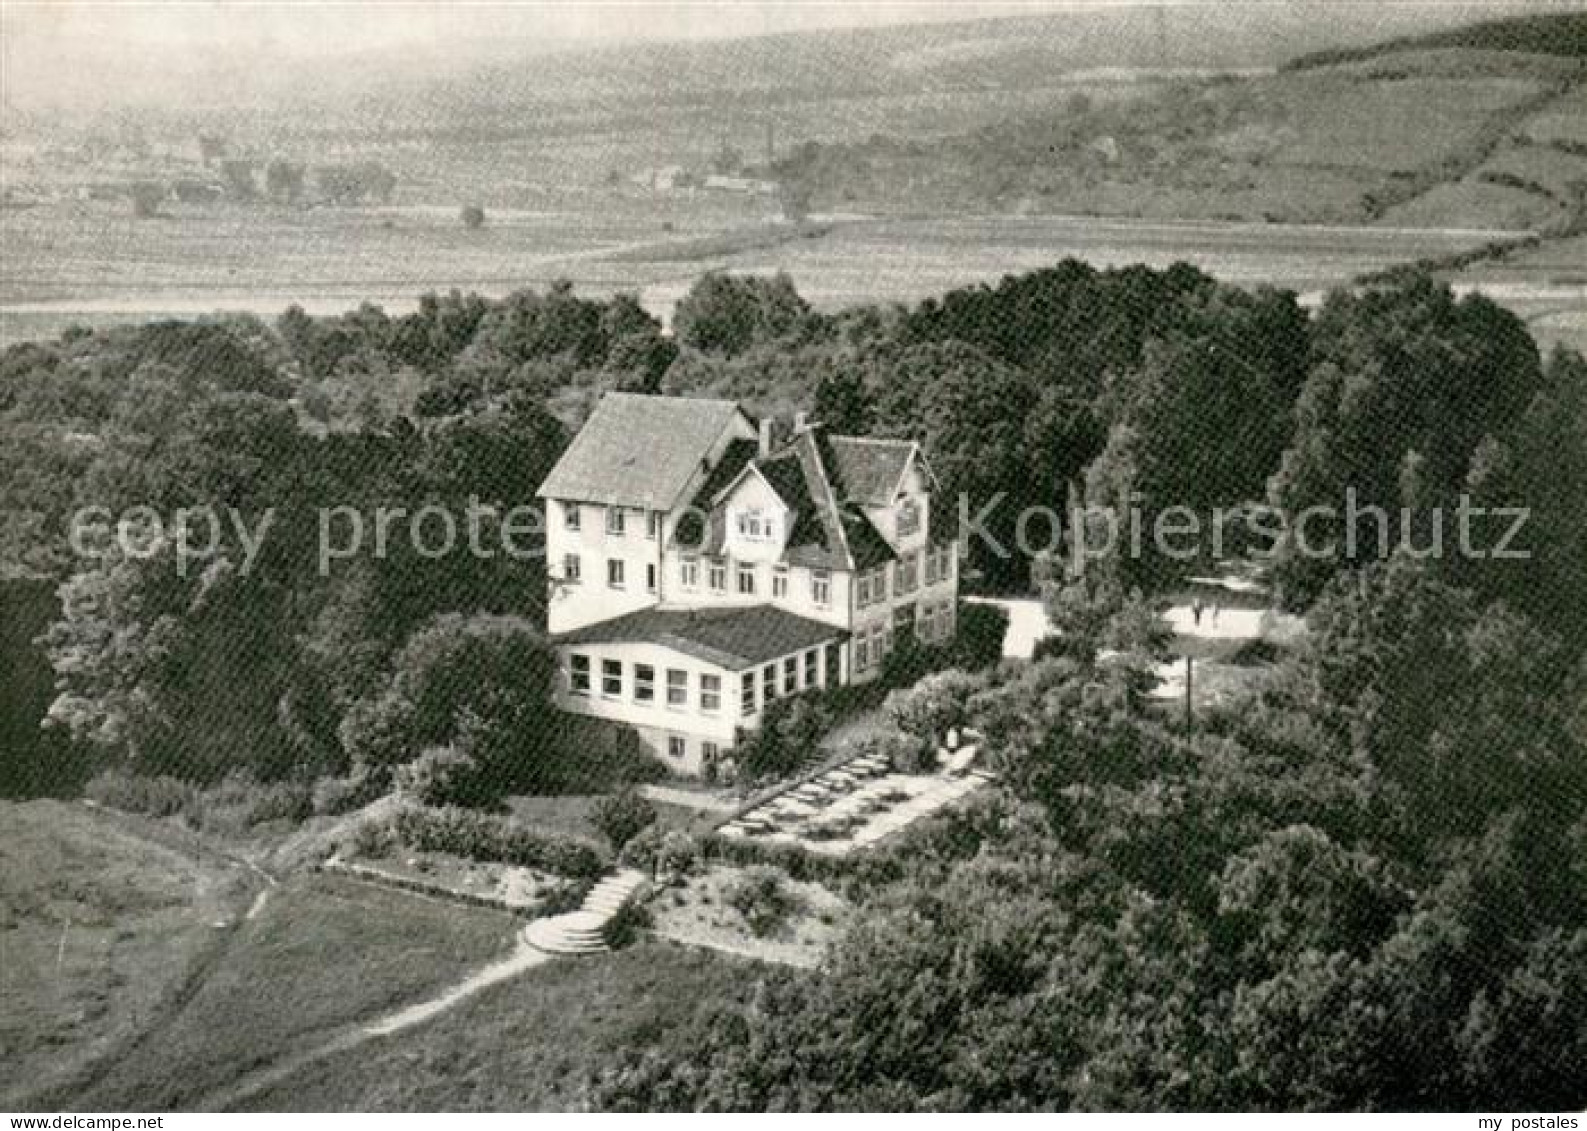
x=323 y=952
x=530 y=1044
x=98 y=929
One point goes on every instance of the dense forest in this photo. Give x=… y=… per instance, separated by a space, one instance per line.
x=1364 y=887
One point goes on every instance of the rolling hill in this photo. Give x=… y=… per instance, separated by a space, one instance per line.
x=1451 y=130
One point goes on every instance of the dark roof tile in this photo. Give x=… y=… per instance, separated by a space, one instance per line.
x=638 y=451
x=734 y=639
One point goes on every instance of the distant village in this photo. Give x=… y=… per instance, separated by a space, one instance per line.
x=207 y=170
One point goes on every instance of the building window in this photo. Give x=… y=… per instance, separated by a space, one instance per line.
x=677 y=747
x=905 y=573
x=872 y=587
x=710 y=693
x=652 y=525
x=570 y=516
x=939 y=564
x=768 y=683
x=779 y=581
x=614 y=573
x=677 y=688
x=753 y=526
x=746 y=579
x=746 y=694
x=689 y=572
x=650 y=576
x=870 y=646
x=821 y=586
x=710 y=755
x=644 y=683
x=790 y=675
x=612 y=678
x=812 y=666
x=908 y=518
x=580 y=679
x=616 y=521
x=572 y=569
x=718 y=575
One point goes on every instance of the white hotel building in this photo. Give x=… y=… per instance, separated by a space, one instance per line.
x=700 y=569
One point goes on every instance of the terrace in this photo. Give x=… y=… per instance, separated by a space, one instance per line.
x=861 y=801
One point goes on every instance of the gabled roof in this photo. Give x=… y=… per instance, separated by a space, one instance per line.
x=691 y=530
x=870 y=470
x=827 y=530
x=730 y=638
x=638 y=451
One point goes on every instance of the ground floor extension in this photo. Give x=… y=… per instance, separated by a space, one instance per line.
x=688 y=681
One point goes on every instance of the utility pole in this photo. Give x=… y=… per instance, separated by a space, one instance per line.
x=1190 y=715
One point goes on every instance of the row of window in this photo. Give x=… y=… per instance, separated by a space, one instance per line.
x=616 y=520
x=794 y=673
x=746 y=579
x=931 y=621
x=710 y=752
x=869 y=588
x=616 y=572
x=934 y=565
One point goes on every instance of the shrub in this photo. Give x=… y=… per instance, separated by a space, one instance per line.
x=679 y=854
x=564 y=896
x=625 y=926
x=336 y=795
x=240 y=801
x=643 y=850
x=790 y=731
x=622 y=816
x=280 y=801
x=480 y=836
x=150 y=796
x=979 y=642
x=761 y=896
x=473 y=216
x=442 y=775
x=371 y=840
x=937 y=704
x=667 y=854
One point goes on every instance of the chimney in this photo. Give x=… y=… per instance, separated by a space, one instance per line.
x=766 y=423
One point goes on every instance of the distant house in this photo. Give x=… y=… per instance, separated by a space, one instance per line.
x=721 y=183
x=666 y=178
x=702 y=568
x=198 y=192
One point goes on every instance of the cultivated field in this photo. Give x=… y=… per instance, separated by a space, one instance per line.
x=96 y=264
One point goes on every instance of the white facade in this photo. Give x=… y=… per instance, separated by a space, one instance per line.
x=686 y=710
x=613 y=559
x=605 y=560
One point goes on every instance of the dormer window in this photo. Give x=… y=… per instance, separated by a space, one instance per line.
x=908 y=518
x=754 y=525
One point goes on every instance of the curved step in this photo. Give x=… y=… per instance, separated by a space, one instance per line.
x=583 y=931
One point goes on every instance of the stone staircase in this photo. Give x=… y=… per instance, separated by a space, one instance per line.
x=584 y=931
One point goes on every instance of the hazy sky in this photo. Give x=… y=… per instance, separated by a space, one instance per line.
x=126 y=51
x=55 y=48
